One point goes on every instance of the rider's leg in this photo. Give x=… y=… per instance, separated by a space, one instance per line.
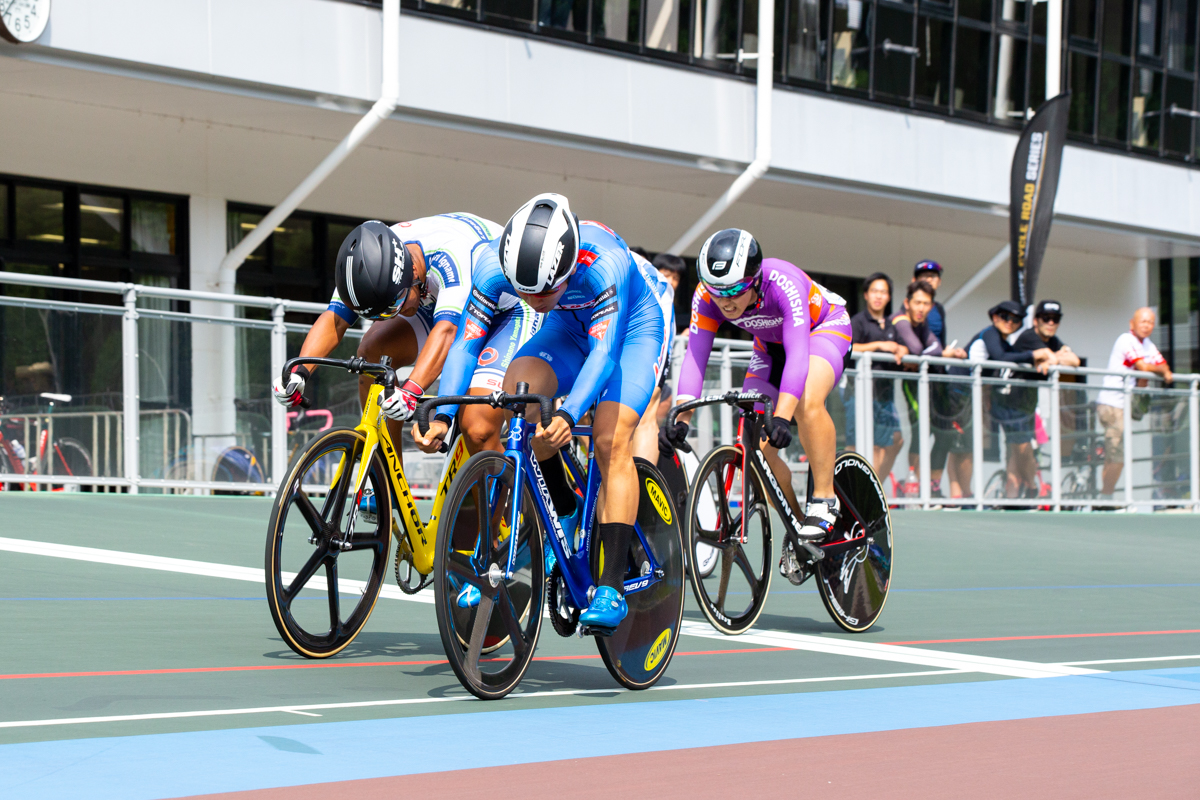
x=481 y=425
x=815 y=426
x=400 y=338
x=645 y=438
x=618 y=502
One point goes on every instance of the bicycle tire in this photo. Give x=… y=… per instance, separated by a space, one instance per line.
x=713 y=482
x=854 y=584
x=326 y=526
x=996 y=486
x=640 y=649
x=72 y=458
x=463 y=639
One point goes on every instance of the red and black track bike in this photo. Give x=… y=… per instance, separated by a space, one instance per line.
x=729 y=509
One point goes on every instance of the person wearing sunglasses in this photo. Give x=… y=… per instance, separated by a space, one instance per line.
x=802 y=334
x=1011 y=407
x=1046 y=318
x=602 y=343
x=412 y=280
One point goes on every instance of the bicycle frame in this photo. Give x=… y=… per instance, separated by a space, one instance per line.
x=749 y=434
x=373 y=427
x=575 y=565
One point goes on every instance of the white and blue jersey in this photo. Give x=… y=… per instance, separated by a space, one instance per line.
x=604 y=340
x=449 y=242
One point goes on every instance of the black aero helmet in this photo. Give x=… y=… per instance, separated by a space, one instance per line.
x=374 y=271
x=729 y=262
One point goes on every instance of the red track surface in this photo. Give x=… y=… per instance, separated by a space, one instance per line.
x=1119 y=754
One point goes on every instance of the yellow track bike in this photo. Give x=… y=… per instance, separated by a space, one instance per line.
x=332 y=524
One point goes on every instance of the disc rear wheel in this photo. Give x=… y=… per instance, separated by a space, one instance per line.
x=854 y=584
x=639 y=650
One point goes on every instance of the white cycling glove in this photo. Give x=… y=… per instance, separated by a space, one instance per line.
x=290 y=395
x=404 y=401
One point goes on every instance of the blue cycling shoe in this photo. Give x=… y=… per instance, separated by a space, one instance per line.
x=366 y=507
x=469 y=597
x=606 y=612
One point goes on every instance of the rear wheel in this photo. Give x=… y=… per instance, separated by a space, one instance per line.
x=325 y=565
x=854 y=584
x=732 y=592
x=70 y=457
x=473 y=544
x=639 y=650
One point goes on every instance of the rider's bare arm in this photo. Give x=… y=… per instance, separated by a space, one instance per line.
x=325 y=334
x=433 y=355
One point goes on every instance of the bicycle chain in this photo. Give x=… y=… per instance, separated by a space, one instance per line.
x=406 y=587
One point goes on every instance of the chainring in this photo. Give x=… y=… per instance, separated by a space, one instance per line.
x=404 y=556
x=564 y=618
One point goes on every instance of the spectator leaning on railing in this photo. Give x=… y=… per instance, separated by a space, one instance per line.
x=914 y=330
x=931 y=273
x=1132 y=350
x=873 y=332
x=1011 y=409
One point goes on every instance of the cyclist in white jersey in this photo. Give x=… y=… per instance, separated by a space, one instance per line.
x=413 y=279
x=645 y=437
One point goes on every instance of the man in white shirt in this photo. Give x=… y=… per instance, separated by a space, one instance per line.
x=1132 y=350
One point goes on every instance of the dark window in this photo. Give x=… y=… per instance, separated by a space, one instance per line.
x=1114 y=101
x=893 y=51
x=935 y=37
x=980 y=10
x=1146 y=109
x=40 y=216
x=1083 y=19
x=851 y=61
x=805 y=41
x=1083 y=94
x=1177 y=138
x=1011 y=59
x=1118 y=23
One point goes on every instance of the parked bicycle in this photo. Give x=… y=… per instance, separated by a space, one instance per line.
x=348 y=534
x=853 y=564
x=494 y=524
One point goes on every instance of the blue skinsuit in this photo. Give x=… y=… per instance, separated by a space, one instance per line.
x=604 y=340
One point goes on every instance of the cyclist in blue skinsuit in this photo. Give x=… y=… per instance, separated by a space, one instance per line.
x=602 y=342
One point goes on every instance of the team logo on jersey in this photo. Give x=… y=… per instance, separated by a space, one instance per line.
x=479 y=314
x=605 y=311
x=598 y=330
x=473 y=330
x=441 y=264
x=586 y=257
x=481 y=298
x=488 y=356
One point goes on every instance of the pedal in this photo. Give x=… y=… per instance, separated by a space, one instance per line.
x=791 y=568
x=595 y=630
x=815 y=552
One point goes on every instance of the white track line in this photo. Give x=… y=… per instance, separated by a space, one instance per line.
x=1128 y=660
x=205 y=568
x=795 y=641
x=890 y=652
x=307 y=709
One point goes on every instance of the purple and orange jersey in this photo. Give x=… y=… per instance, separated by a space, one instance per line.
x=792 y=311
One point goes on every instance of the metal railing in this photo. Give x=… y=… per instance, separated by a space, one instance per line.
x=1178 y=407
x=183 y=458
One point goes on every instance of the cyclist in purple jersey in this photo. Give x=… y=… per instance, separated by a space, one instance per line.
x=801 y=337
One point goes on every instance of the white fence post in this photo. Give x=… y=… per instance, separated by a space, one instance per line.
x=1194 y=442
x=923 y=443
x=1128 y=441
x=977 y=435
x=867 y=400
x=131 y=399
x=1055 y=441
x=726 y=385
x=279 y=419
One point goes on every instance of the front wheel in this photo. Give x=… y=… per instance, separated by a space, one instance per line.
x=639 y=650
x=728 y=514
x=854 y=584
x=473 y=546
x=318 y=615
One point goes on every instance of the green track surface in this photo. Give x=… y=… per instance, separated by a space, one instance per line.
x=959 y=575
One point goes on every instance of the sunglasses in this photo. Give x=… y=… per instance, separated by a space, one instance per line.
x=1007 y=317
x=734 y=290
x=1055 y=318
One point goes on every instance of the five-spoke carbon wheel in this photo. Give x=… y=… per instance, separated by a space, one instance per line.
x=325 y=564
x=732 y=592
x=490 y=644
x=854 y=584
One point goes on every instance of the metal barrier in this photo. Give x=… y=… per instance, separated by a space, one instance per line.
x=1160 y=464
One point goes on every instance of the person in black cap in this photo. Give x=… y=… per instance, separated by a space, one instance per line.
x=931 y=273
x=1012 y=410
x=1044 y=333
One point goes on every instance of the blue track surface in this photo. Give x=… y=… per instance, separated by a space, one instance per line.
x=171 y=765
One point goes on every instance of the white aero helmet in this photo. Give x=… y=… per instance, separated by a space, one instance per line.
x=540 y=244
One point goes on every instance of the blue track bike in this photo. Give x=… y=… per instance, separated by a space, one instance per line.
x=494 y=523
